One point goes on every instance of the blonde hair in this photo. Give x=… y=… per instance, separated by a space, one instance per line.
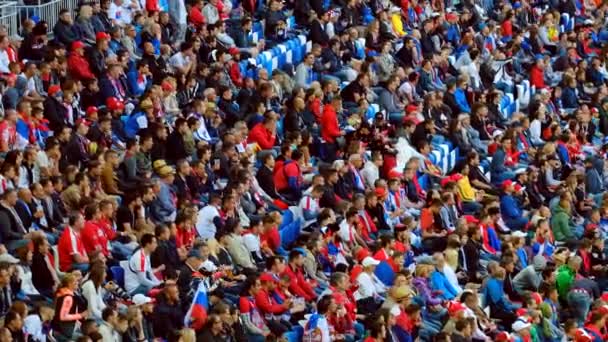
x=68 y=279
x=188 y=335
x=213 y=246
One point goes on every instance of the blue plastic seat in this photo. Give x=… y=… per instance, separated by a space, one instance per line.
x=118 y=274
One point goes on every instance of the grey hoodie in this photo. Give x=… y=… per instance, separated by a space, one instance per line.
x=529 y=278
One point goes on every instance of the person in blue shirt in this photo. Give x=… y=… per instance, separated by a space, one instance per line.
x=500 y=306
x=512 y=214
x=439 y=282
x=461 y=95
x=140 y=79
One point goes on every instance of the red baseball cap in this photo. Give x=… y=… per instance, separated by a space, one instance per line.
x=91 y=110
x=234 y=51
x=54 y=89
x=455 y=307
x=393 y=173
x=411 y=108
x=102 y=35
x=166 y=86
x=507 y=183
x=267 y=277
x=82 y=121
x=114 y=104
x=451 y=16
x=77 y=45
x=380 y=192
x=471 y=219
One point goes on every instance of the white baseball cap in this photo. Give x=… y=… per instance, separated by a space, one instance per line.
x=140 y=299
x=369 y=261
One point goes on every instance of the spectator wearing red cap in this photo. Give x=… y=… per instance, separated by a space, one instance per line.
x=54 y=110
x=77 y=63
x=97 y=55
x=515 y=218
x=273 y=311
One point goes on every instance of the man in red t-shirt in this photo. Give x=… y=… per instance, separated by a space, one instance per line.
x=93 y=236
x=72 y=254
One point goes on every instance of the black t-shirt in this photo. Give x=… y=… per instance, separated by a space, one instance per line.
x=348 y=93
x=124 y=215
x=476 y=174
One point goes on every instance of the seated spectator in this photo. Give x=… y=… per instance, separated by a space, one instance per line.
x=139 y=275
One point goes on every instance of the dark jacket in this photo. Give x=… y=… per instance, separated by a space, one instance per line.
x=55 y=113
x=25 y=212
x=65 y=33
x=178 y=150
x=77 y=151
x=266 y=181
x=318 y=34
x=9 y=229
x=42 y=278
x=97 y=61
x=167 y=317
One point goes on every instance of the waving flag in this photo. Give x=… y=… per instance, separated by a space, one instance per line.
x=197 y=314
x=23 y=135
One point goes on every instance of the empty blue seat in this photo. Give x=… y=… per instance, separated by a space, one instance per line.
x=118 y=274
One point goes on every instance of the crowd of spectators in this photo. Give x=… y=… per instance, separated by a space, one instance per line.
x=427 y=170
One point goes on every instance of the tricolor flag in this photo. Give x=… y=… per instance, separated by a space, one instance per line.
x=23 y=135
x=197 y=314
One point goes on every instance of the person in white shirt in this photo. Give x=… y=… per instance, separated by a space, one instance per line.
x=210 y=12
x=371 y=170
x=107 y=328
x=309 y=205
x=208 y=217
x=93 y=291
x=139 y=275
x=4 y=61
x=369 y=285
x=33 y=324
x=318 y=321
x=183 y=61
x=120 y=11
x=252 y=241
x=536 y=126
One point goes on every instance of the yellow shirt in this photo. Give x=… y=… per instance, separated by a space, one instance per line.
x=398 y=24
x=467 y=193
